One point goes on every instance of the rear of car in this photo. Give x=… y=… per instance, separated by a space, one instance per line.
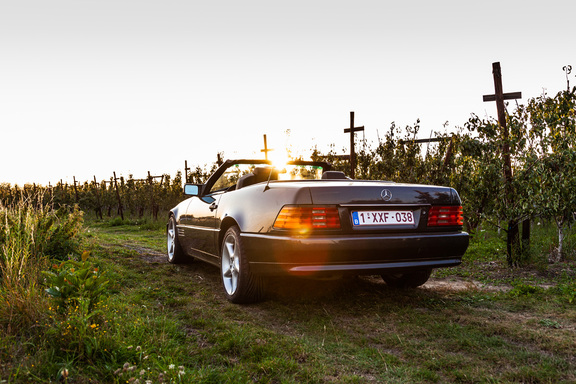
x=361 y=227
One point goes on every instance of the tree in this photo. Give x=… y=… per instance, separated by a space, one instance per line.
x=552 y=159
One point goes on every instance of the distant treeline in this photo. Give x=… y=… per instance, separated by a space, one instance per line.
x=118 y=196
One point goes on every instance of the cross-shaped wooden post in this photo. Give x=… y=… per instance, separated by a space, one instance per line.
x=351 y=130
x=265 y=150
x=499 y=97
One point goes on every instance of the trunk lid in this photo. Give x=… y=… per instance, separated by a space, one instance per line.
x=375 y=206
x=382 y=193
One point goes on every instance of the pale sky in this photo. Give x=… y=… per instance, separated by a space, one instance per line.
x=92 y=87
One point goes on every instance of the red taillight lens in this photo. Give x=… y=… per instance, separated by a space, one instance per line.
x=307 y=217
x=439 y=216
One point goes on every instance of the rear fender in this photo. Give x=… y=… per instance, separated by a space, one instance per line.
x=254 y=208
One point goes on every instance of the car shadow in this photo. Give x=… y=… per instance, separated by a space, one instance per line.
x=348 y=289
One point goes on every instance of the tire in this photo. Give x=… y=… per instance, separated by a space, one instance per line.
x=407 y=279
x=175 y=253
x=240 y=285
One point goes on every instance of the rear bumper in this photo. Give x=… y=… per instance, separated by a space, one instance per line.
x=358 y=254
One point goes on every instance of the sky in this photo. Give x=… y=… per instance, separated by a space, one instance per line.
x=92 y=87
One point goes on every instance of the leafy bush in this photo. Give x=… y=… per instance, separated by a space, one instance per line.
x=59 y=233
x=520 y=288
x=76 y=288
x=73 y=282
x=116 y=222
x=567 y=291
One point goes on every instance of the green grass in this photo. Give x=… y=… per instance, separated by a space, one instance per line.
x=171 y=323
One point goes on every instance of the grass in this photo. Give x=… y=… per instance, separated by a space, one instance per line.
x=159 y=322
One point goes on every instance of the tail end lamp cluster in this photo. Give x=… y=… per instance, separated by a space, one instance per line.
x=306 y=217
x=445 y=216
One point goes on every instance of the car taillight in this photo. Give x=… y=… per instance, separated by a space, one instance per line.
x=307 y=218
x=450 y=215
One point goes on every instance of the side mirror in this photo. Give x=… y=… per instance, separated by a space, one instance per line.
x=192 y=189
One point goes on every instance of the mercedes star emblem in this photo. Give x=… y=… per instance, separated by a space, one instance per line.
x=386 y=195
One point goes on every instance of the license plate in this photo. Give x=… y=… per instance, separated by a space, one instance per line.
x=362 y=218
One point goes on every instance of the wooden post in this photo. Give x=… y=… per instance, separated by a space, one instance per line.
x=108 y=200
x=152 y=201
x=265 y=150
x=420 y=141
x=64 y=190
x=449 y=152
x=51 y=188
x=98 y=203
x=352 y=130
x=75 y=189
x=186 y=169
x=120 y=209
x=513 y=240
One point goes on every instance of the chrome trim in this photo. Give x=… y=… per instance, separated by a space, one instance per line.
x=198 y=228
x=376 y=266
x=360 y=206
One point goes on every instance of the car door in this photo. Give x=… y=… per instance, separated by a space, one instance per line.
x=201 y=222
x=201 y=227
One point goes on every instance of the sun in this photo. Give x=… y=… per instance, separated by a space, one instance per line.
x=279 y=158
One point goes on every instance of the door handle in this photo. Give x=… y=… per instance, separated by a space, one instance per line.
x=213 y=206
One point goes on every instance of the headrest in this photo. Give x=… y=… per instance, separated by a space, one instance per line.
x=334 y=175
x=262 y=174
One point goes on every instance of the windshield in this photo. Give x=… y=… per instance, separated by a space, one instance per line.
x=299 y=172
x=231 y=176
x=229 y=179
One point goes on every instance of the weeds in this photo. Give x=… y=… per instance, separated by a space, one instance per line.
x=74 y=282
x=522 y=289
x=21 y=294
x=567 y=291
x=29 y=235
x=43 y=231
x=76 y=288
